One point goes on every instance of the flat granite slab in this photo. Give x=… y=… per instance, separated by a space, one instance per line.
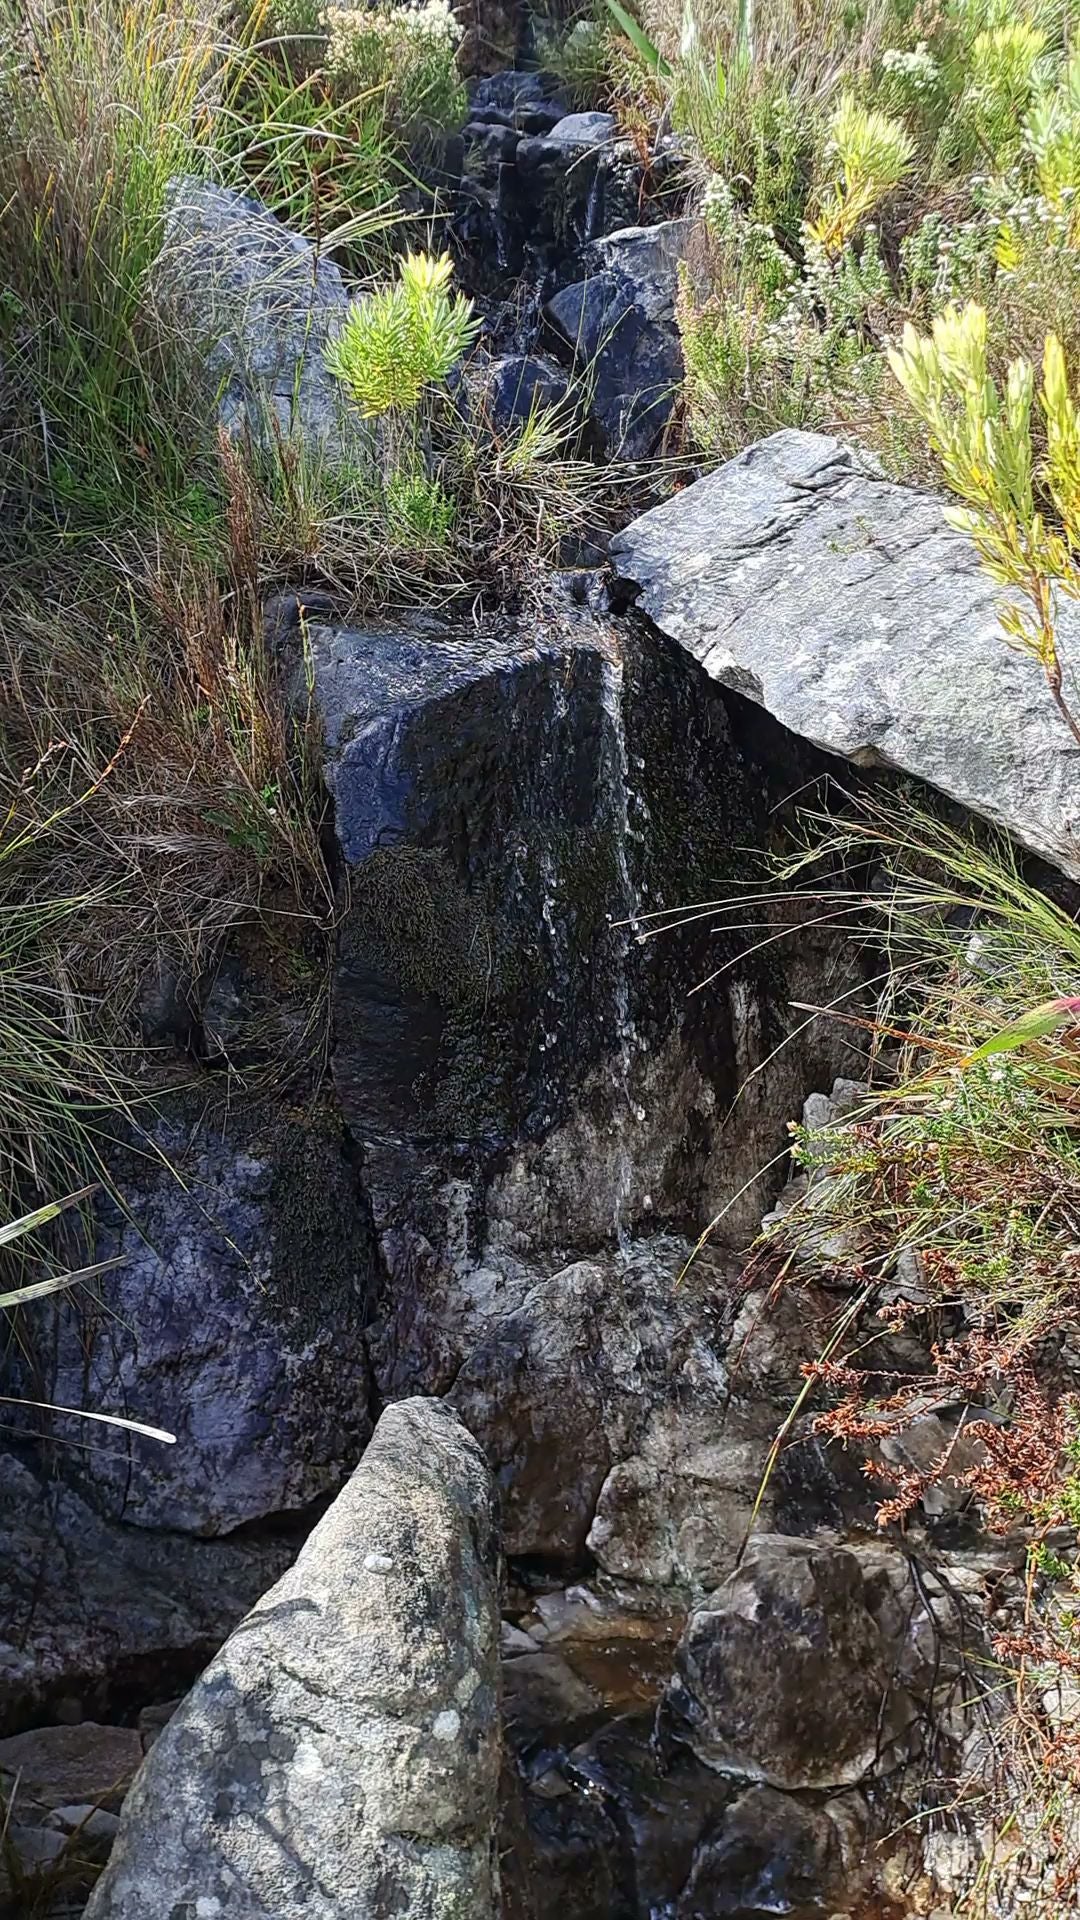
x=849 y=609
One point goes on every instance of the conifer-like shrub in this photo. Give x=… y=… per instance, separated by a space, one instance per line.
x=403 y=337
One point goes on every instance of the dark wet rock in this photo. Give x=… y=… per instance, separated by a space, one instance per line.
x=521 y=100
x=518 y=385
x=265 y=302
x=524 y=1083
x=660 y=1811
x=564 y=1859
x=785 y=1677
x=490 y=144
x=619 y=323
x=341 y=1753
x=575 y=134
x=527 y=210
x=847 y=608
x=770 y=1854
x=95 y=1617
x=235 y=1323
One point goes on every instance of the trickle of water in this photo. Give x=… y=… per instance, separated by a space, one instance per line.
x=626 y=1112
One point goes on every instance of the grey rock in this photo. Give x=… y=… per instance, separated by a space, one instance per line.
x=341 y=1753
x=51 y=1766
x=94 y=1616
x=578 y=131
x=266 y=303
x=37 y=1849
x=619 y=325
x=785 y=1678
x=91 y=1823
x=235 y=1322
x=847 y=608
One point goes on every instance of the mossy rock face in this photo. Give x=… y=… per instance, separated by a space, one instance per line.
x=510 y=809
x=412 y=920
x=322 y=1253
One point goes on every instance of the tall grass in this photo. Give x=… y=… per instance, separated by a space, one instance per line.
x=100 y=105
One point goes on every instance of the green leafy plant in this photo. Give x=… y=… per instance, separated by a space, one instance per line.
x=400 y=339
x=873 y=152
x=983 y=438
x=646 y=48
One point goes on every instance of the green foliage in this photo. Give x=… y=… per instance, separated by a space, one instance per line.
x=419 y=511
x=581 y=57
x=331 y=168
x=399 y=339
x=983 y=438
x=96 y=415
x=873 y=153
x=639 y=40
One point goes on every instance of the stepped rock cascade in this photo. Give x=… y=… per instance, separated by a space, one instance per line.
x=511 y=1608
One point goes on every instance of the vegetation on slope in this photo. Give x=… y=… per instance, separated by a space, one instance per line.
x=159 y=790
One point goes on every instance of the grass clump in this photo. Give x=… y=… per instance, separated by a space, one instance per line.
x=99 y=108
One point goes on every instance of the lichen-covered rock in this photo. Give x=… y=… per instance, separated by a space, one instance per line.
x=847 y=608
x=341 y=1754
x=235 y=1322
x=95 y=1616
x=265 y=303
x=785 y=1678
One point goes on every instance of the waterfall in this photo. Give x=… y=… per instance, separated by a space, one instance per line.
x=627 y=1113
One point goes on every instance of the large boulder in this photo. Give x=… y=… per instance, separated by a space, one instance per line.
x=265 y=302
x=784 y=1677
x=341 y=1753
x=528 y=1087
x=235 y=1321
x=525 y=1080
x=849 y=609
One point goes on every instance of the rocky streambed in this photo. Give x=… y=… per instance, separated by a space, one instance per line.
x=456 y=1596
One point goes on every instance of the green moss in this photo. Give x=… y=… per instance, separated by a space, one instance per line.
x=320 y=1240
x=413 y=920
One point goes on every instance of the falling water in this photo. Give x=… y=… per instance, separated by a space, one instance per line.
x=626 y=1113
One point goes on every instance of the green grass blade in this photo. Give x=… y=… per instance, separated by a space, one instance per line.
x=29 y=1222
x=638 y=38
x=39 y=1288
